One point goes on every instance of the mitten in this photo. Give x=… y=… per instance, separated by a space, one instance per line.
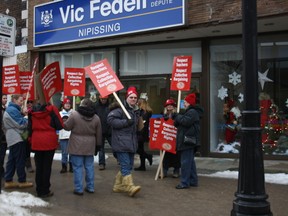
x=130 y=122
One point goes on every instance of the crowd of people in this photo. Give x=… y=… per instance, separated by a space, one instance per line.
x=82 y=134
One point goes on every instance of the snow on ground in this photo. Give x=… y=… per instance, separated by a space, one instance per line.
x=276 y=178
x=18 y=203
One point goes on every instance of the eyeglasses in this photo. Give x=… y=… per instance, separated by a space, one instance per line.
x=132 y=97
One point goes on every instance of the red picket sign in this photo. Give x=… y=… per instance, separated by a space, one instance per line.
x=10 y=81
x=163 y=135
x=181 y=73
x=27 y=84
x=74 y=82
x=103 y=77
x=50 y=79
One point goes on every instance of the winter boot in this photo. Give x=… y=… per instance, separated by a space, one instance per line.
x=64 y=168
x=150 y=159
x=142 y=166
x=118 y=187
x=70 y=167
x=129 y=186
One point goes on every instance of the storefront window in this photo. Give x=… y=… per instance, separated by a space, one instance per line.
x=157 y=59
x=79 y=60
x=152 y=66
x=226 y=94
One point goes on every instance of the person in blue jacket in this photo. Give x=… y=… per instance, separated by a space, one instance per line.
x=14 y=124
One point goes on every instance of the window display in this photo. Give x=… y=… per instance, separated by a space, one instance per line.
x=227 y=95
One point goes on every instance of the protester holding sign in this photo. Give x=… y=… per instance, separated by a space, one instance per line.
x=188 y=128
x=14 y=125
x=170 y=159
x=124 y=140
x=64 y=136
x=44 y=120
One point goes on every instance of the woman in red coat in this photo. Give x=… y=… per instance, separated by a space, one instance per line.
x=44 y=120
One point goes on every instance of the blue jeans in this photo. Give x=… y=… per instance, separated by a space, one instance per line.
x=64 y=149
x=102 y=150
x=188 y=168
x=16 y=162
x=78 y=161
x=126 y=161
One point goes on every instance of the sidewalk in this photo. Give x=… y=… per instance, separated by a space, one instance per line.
x=213 y=197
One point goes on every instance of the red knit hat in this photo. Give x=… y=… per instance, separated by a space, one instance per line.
x=170 y=102
x=191 y=99
x=66 y=101
x=131 y=90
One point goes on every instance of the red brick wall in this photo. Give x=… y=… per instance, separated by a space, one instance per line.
x=213 y=12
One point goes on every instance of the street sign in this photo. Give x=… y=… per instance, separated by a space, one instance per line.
x=7 y=35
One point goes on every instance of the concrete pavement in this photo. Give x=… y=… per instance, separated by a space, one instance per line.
x=213 y=197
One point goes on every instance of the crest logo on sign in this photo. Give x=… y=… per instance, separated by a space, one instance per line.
x=46 y=18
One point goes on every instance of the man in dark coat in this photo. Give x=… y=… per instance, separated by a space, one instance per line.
x=188 y=124
x=125 y=141
x=102 y=110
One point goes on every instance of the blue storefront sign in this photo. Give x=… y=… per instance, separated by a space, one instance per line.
x=73 y=20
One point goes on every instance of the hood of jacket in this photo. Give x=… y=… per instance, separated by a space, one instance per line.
x=86 y=112
x=199 y=109
x=42 y=111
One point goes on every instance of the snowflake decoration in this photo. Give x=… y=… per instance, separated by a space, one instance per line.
x=262 y=78
x=222 y=93
x=234 y=78
x=236 y=111
x=286 y=102
x=240 y=97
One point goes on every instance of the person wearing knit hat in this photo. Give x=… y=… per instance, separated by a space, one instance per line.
x=188 y=125
x=171 y=160
x=131 y=90
x=66 y=101
x=124 y=140
x=64 y=136
x=191 y=99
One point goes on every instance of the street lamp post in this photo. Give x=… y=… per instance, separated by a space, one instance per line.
x=251 y=198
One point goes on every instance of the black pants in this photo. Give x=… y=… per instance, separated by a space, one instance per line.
x=142 y=153
x=43 y=163
x=3 y=148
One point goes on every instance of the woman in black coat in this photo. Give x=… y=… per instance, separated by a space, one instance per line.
x=188 y=125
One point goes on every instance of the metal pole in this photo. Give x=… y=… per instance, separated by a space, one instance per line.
x=250 y=196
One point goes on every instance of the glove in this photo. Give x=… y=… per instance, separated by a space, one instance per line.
x=130 y=122
x=97 y=149
x=174 y=116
